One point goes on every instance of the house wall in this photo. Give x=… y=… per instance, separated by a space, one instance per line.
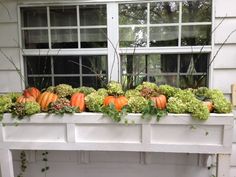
x=120 y=163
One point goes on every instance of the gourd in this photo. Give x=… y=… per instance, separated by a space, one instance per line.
x=24 y=99
x=32 y=91
x=78 y=100
x=118 y=101
x=45 y=99
x=159 y=101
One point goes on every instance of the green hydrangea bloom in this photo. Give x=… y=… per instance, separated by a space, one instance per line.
x=5 y=103
x=31 y=108
x=202 y=92
x=168 y=90
x=51 y=89
x=176 y=106
x=132 y=93
x=114 y=88
x=63 y=90
x=198 y=110
x=14 y=96
x=84 y=90
x=147 y=85
x=103 y=92
x=94 y=101
x=137 y=103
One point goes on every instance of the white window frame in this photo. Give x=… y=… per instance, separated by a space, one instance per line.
x=113 y=51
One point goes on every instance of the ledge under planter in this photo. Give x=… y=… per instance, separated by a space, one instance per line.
x=92 y=131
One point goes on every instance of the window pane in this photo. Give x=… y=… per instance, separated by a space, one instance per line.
x=94 y=81
x=133 y=37
x=94 y=65
x=39 y=82
x=193 y=81
x=196 y=35
x=93 y=38
x=130 y=81
x=193 y=63
x=34 y=17
x=91 y=15
x=38 y=65
x=63 y=16
x=132 y=14
x=35 y=39
x=158 y=64
x=66 y=65
x=162 y=80
x=64 y=38
x=163 y=36
x=197 y=11
x=73 y=81
x=164 y=12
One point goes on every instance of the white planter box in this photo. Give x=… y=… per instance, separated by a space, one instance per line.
x=91 y=131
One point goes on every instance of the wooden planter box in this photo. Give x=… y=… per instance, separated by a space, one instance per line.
x=92 y=132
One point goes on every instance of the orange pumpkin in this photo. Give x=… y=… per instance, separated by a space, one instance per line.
x=24 y=99
x=32 y=91
x=119 y=102
x=45 y=99
x=159 y=101
x=77 y=100
x=209 y=105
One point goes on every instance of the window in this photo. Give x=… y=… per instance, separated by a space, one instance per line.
x=165 y=42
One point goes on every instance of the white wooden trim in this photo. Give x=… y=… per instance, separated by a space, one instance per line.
x=6 y=163
x=223 y=165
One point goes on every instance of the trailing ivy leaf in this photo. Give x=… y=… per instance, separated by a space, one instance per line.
x=111 y=112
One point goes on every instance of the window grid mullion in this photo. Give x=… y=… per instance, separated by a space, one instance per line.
x=49 y=29
x=180 y=24
x=78 y=27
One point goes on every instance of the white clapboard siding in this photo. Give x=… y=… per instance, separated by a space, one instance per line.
x=13 y=54
x=224 y=8
x=233 y=157
x=8 y=11
x=226 y=57
x=224 y=29
x=10 y=82
x=9 y=35
x=223 y=79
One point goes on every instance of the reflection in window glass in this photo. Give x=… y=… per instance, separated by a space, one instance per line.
x=133 y=37
x=38 y=65
x=164 y=79
x=95 y=81
x=63 y=16
x=196 y=35
x=163 y=36
x=93 y=38
x=91 y=15
x=64 y=38
x=193 y=81
x=35 y=39
x=164 y=12
x=197 y=11
x=39 y=82
x=66 y=65
x=33 y=17
x=94 y=65
x=132 y=14
x=73 y=81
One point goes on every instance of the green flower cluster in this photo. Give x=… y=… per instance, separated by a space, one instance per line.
x=51 y=89
x=61 y=106
x=168 y=90
x=176 y=106
x=14 y=96
x=132 y=93
x=114 y=88
x=137 y=103
x=84 y=90
x=147 y=85
x=5 y=103
x=31 y=108
x=94 y=101
x=102 y=91
x=63 y=90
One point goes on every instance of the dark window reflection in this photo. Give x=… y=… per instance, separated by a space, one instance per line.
x=66 y=65
x=35 y=39
x=73 y=81
x=38 y=65
x=94 y=81
x=94 y=65
x=39 y=82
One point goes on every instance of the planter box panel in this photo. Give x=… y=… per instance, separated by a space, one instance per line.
x=34 y=133
x=187 y=134
x=112 y=133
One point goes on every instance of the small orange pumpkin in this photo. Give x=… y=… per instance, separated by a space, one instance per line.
x=209 y=105
x=45 y=99
x=24 y=99
x=119 y=101
x=77 y=100
x=159 y=101
x=32 y=91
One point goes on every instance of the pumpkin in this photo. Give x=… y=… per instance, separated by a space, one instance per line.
x=24 y=99
x=209 y=105
x=159 y=101
x=77 y=100
x=119 y=101
x=32 y=91
x=45 y=99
